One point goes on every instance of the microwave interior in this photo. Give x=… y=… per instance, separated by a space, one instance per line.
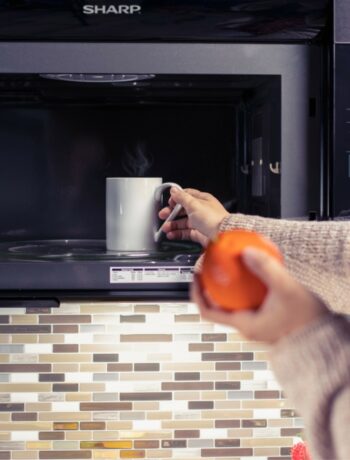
x=62 y=135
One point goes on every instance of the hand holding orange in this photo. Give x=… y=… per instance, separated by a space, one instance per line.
x=224 y=276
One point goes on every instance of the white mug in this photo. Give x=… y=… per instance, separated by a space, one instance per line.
x=132 y=212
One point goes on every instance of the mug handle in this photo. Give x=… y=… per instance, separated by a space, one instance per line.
x=158 y=195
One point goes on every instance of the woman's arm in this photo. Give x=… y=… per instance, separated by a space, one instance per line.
x=313 y=367
x=316 y=253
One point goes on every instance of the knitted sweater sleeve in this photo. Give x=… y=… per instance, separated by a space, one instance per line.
x=313 y=367
x=316 y=253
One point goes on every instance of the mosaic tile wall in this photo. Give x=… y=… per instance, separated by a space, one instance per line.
x=124 y=380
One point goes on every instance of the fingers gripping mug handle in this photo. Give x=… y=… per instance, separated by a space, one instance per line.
x=174 y=212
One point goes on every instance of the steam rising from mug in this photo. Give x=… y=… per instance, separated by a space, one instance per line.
x=137 y=163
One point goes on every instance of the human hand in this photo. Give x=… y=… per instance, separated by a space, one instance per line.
x=200 y=218
x=288 y=306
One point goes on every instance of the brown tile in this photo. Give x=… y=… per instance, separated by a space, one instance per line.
x=201 y=405
x=227 y=385
x=146 y=367
x=214 y=337
x=105 y=445
x=187 y=433
x=236 y=356
x=200 y=347
x=190 y=318
x=11 y=407
x=187 y=375
x=65 y=387
x=25 y=329
x=25 y=367
x=132 y=454
x=227 y=442
x=288 y=413
x=66 y=348
x=5 y=455
x=65 y=319
x=65 y=426
x=284 y=451
x=229 y=452
x=227 y=366
x=132 y=318
x=51 y=377
x=64 y=454
x=92 y=426
x=119 y=367
x=291 y=431
x=25 y=417
x=170 y=386
x=149 y=396
x=51 y=435
x=173 y=444
x=267 y=394
x=4 y=319
x=65 y=329
x=227 y=423
x=37 y=310
x=257 y=423
x=149 y=308
x=152 y=444
x=145 y=337
x=104 y=406
x=105 y=357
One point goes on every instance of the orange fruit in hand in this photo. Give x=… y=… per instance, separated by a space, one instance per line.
x=225 y=277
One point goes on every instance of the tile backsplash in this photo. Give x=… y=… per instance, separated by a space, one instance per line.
x=136 y=380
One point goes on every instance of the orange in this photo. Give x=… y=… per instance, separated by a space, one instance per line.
x=225 y=277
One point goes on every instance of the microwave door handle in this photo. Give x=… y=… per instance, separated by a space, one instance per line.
x=275 y=168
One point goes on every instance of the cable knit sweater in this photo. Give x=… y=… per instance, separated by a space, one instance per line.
x=313 y=364
x=316 y=253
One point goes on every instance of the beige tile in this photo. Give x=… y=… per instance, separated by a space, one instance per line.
x=235 y=337
x=198 y=366
x=263 y=404
x=4 y=358
x=105 y=454
x=105 y=435
x=160 y=357
x=161 y=453
x=64 y=416
x=161 y=415
x=267 y=451
x=24 y=338
x=39 y=445
x=66 y=445
x=25 y=387
x=5 y=436
x=26 y=426
x=187 y=395
x=183 y=424
x=213 y=395
x=93 y=367
x=24 y=455
x=282 y=422
x=124 y=425
x=240 y=433
x=223 y=414
x=65 y=358
x=78 y=396
x=261 y=356
x=99 y=348
x=6 y=338
x=51 y=338
x=265 y=442
x=213 y=376
x=24 y=319
x=147 y=308
x=87 y=387
x=63 y=368
x=98 y=308
x=78 y=435
x=254 y=346
x=238 y=375
x=38 y=407
x=227 y=405
x=236 y=346
x=146 y=405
